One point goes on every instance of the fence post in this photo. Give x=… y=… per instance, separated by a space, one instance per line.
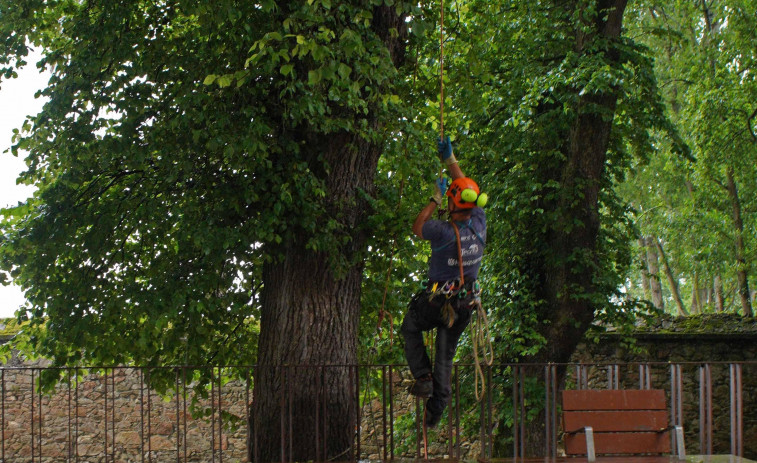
x=737 y=443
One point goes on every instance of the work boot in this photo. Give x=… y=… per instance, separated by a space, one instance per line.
x=432 y=419
x=423 y=386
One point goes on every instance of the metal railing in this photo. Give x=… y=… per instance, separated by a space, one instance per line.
x=114 y=415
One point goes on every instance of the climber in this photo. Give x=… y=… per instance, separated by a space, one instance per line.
x=451 y=292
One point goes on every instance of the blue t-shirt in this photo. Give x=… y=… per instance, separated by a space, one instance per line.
x=443 y=265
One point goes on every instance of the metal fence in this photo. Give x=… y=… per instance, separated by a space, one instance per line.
x=112 y=414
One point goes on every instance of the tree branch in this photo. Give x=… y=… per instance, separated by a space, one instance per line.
x=749 y=124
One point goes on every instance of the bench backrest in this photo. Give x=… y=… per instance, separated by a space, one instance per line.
x=623 y=421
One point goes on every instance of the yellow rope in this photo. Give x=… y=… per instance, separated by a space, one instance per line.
x=481 y=336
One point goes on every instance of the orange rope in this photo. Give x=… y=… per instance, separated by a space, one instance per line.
x=441 y=73
x=425 y=435
x=441 y=88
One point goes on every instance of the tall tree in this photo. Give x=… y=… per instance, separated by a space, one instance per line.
x=553 y=150
x=557 y=101
x=202 y=166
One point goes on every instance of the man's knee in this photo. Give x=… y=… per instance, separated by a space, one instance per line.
x=408 y=326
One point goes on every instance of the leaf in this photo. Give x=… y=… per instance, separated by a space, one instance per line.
x=344 y=71
x=314 y=76
x=224 y=81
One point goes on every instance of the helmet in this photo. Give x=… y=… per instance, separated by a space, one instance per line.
x=464 y=192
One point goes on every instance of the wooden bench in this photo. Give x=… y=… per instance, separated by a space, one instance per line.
x=618 y=422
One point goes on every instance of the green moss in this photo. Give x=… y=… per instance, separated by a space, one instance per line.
x=700 y=324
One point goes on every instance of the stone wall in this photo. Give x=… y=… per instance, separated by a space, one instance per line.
x=691 y=352
x=115 y=415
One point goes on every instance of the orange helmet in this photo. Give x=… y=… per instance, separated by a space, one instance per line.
x=464 y=192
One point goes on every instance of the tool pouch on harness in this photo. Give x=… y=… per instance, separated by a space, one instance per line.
x=443 y=301
x=427 y=307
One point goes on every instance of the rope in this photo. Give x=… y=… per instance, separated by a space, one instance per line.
x=383 y=312
x=425 y=435
x=481 y=336
x=441 y=72
x=441 y=82
x=459 y=253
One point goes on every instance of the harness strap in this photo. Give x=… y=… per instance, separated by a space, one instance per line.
x=459 y=254
x=468 y=226
x=452 y=241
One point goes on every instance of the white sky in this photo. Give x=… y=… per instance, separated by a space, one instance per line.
x=16 y=102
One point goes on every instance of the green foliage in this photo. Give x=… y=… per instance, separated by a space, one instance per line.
x=178 y=153
x=704 y=60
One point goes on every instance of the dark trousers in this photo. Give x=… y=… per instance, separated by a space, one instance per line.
x=424 y=315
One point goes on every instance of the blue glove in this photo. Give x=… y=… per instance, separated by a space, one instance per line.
x=442 y=183
x=444 y=148
x=440 y=188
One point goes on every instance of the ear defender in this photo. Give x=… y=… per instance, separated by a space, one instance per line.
x=469 y=195
x=482 y=199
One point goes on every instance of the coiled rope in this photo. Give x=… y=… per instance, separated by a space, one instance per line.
x=482 y=340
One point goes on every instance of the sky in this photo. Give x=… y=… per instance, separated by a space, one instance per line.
x=16 y=102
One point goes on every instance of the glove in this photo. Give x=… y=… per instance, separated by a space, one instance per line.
x=445 y=151
x=440 y=188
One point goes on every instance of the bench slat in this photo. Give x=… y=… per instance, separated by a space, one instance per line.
x=613 y=399
x=623 y=443
x=616 y=421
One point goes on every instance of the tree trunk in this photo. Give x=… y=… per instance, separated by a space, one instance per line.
x=719 y=295
x=305 y=395
x=741 y=263
x=565 y=317
x=645 y=277
x=581 y=177
x=696 y=307
x=304 y=388
x=708 y=295
x=672 y=281
x=308 y=337
x=653 y=267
